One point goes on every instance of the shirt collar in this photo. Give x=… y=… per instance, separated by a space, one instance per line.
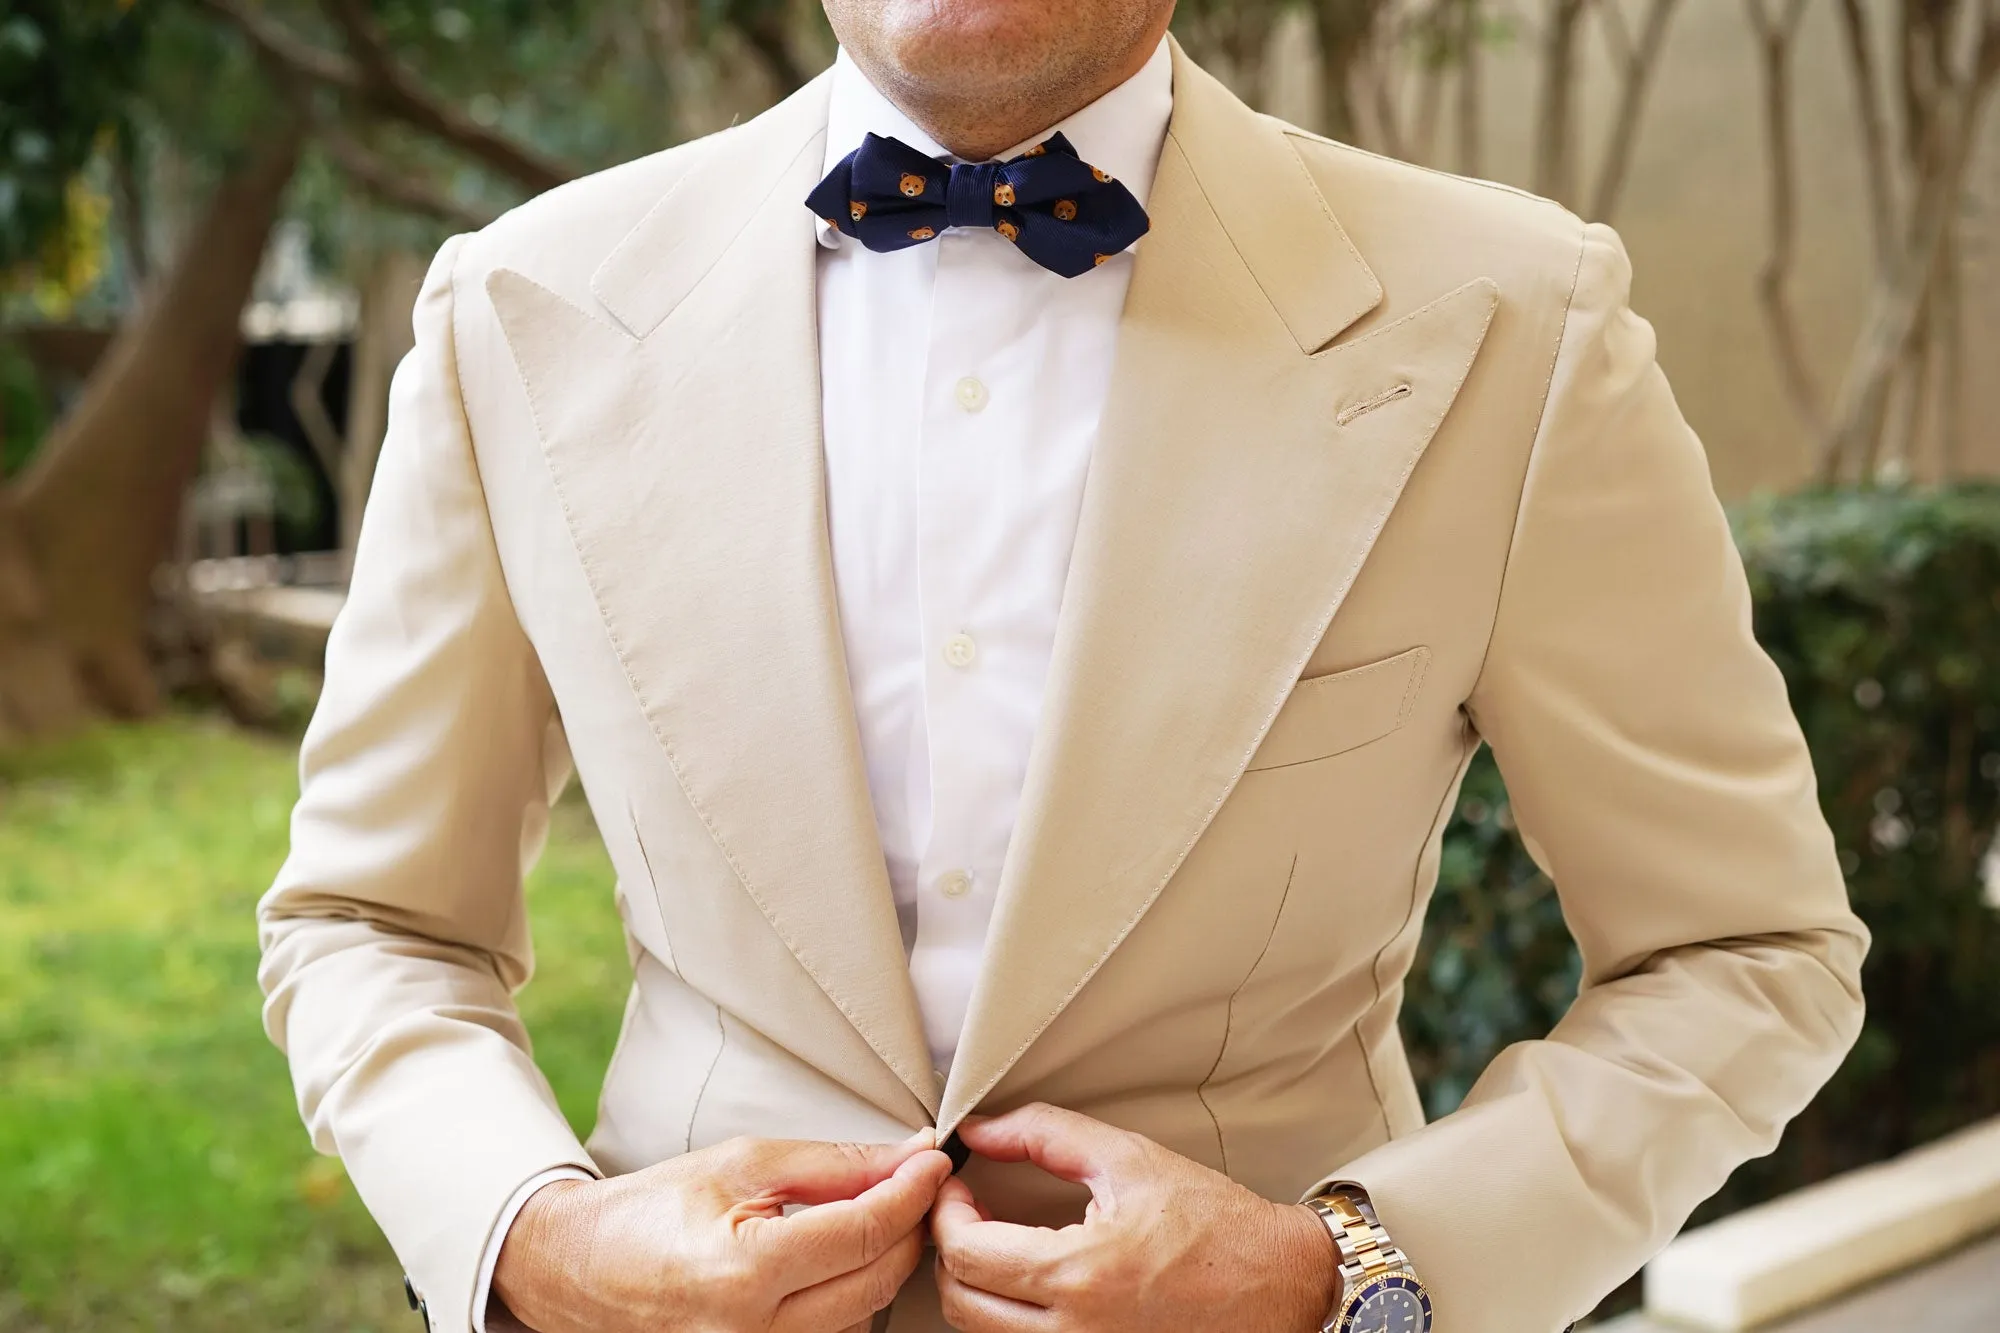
x=1121 y=133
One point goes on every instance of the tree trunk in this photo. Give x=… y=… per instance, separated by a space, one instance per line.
x=1346 y=31
x=1898 y=301
x=96 y=513
x=1555 y=119
x=388 y=298
x=38 y=687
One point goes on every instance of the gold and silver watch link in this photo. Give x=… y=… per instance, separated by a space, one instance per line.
x=1380 y=1290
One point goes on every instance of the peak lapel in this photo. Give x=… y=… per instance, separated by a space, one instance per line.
x=685 y=445
x=1233 y=498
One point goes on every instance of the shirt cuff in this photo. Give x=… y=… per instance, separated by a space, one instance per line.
x=491 y=1259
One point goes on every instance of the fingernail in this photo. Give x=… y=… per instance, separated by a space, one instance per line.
x=927 y=1136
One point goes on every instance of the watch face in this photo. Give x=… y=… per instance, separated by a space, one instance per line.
x=1389 y=1305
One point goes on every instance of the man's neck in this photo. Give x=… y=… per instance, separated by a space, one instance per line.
x=976 y=129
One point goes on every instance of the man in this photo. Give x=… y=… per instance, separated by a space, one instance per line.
x=1021 y=674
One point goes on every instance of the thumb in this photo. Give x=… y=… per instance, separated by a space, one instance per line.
x=811 y=1172
x=1066 y=1144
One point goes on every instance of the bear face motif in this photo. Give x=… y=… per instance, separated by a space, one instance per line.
x=1065 y=210
x=1003 y=194
x=1007 y=229
x=856 y=209
x=1102 y=179
x=922 y=233
x=911 y=185
x=1097 y=261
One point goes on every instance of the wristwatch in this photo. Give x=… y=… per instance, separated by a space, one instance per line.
x=1380 y=1291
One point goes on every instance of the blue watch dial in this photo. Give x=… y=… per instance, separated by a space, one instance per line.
x=1394 y=1304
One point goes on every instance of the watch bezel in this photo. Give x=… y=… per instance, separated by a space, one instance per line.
x=1358 y=1295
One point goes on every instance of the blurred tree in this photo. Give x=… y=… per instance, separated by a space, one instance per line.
x=1388 y=68
x=200 y=123
x=64 y=76
x=1918 y=113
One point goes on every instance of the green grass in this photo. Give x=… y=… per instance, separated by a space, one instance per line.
x=153 y=1171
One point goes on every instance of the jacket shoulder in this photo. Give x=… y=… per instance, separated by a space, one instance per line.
x=1426 y=231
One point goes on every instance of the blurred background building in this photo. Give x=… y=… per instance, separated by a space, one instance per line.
x=214 y=216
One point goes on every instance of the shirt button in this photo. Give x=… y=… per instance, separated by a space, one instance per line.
x=954 y=884
x=961 y=651
x=972 y=395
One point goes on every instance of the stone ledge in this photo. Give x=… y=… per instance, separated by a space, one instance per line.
x=1957 y=1294
x=1765 y=1263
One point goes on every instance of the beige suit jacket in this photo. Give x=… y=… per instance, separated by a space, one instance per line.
x=1387 y=471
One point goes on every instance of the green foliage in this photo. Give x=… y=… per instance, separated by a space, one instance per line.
x=199 y=97
x=24 y=408
x=65 y=79
x=1882 y=608
x=1496 y=964
x=152 y=1166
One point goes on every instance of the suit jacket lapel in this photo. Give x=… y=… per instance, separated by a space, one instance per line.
x=685 y=444
x=1231 y=502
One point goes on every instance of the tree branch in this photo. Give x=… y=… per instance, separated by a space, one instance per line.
x=1774 y=39
x=278 y=45
x=1640 y=61
x=378 y=82
x=1555 y=128
x=1471 y=99
x=1874 y=135
x=1617 y=33
x=1897 y=305
x=394 y=89
x=392 y=186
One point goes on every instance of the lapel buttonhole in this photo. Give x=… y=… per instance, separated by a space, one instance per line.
x=1349 y=414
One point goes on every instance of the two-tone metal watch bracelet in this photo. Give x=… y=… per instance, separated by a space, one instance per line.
x=1365 y=1248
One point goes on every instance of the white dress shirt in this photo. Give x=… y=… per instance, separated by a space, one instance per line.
x=962 y=385
x=961 y=389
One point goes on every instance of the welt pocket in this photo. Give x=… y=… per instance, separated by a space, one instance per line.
x=1330 y=715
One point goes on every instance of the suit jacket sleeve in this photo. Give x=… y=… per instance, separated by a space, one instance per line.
x=1660 y=778
x=396 y=932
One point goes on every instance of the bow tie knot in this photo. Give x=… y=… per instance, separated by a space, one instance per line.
x=1061 y=212
x=971 y=194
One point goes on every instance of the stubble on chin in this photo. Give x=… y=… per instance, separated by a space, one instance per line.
x=985 y=75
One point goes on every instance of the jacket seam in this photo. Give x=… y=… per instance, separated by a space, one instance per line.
x=1528 y=468
x=518 y=910
x=701 y=1093
x=1438 y=820
x=1229 y=1014
x=1498 y=187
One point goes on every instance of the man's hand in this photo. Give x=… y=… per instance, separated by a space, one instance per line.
x=701 y=1242
x=1165 y=1243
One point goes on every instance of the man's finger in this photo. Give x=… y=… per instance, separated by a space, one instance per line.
x=971 y=1310
x=996 y=1257
x=1065 y=1144
x=851 y=1299
x=802 y=1171
x=833 y=1239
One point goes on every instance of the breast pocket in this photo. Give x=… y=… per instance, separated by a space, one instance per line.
x=1330 y=715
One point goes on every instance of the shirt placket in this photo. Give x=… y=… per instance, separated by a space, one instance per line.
x=959 y=524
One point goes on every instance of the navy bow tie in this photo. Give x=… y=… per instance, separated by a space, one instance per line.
x=1063 y=213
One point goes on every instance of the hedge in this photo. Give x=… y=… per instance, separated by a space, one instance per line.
x=1882 y=608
